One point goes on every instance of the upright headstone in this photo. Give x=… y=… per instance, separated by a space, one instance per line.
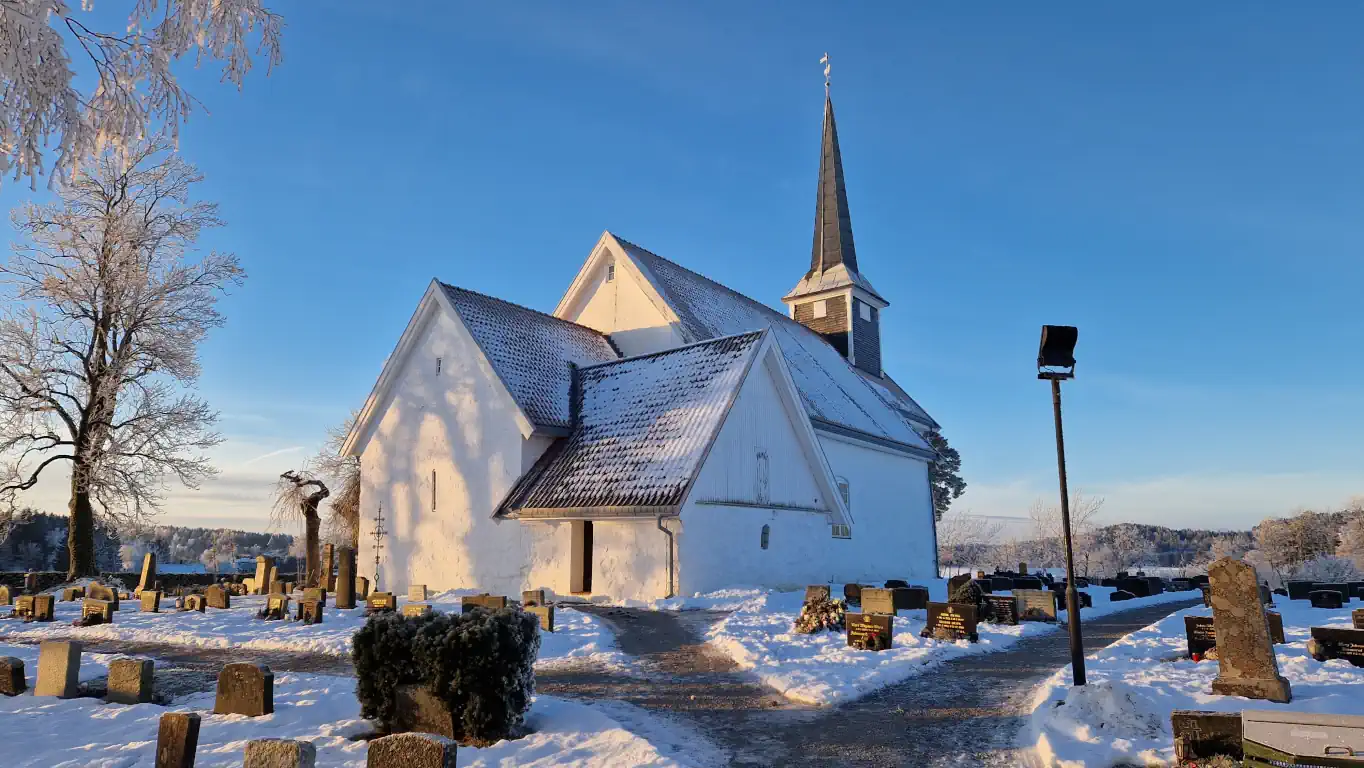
x=345 y=578
x=276 y=607
x=130 y=680
x=1035 y=604
x=310 y=611
x=380 y=602
x=852 y=594
x=951 y=621
x=1199 y=635
x=537 y=596
x=328 y=581
x=1337 y=643
x=72 y=594
x=177 y=738
x=1357 y=618
x=895 y=583
x=150 y=601
x=1022 y=569
x=362 y=587
x=148 y=579
x=245 y=689
x=279 y=753
x=812 y=592
x=1275 y=627
x=416 y=707
x=279 y=587
x=315 y=594
x=30 y=583
x=4 y=595
x=417 y=593
x=490 y=602
x=1336 y=586
x=193 y=603
x=1325 y=598
x=12 y=681
x=411 y=750
x=217 y=597
x=910 y=598
x=45 y=607
x=1245 y=655
x=101 y=592
x=545 y=613
x=97 y=611
x=1298 y=590
x=1001 y=609
x=261 y=583
x=869 y=631
x=878 y=601
x=59 y=667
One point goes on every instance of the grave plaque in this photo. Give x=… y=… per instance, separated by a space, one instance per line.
x=545 y=613
x=177 y=739
x=1276 y=738
x=416 y=593
x=1298 y=590
x=1343 y=589
x=817 y=592
x=148 y=579
x=264 y=564
x=217 y=597
x=130 y=680
x=193 y=603
x=868 y=632
x=1245 y=656
x=852 y=594
x=1035 y=605
x=951 y=621
x=1200 y=734
x=310 y=611
x=1199 y=635
x=97 y=612
x=1334 y=643
x=245 y=689
x=1357 y=618
x=537 y=597
x=490 y=602
x=150 y=601
x=1325 y=598
x=1001 y=609
x=412 y=610
x=877 y=600
x=381 y=601
x=12 y=681
x=328 y=581
x=1275 y=627
x=72 y=594
x=345 y=578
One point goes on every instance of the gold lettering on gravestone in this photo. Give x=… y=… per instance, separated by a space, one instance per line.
x=952 y=621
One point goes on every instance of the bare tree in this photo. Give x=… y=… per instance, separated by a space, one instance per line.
x=299 y=494
x=1126 y=546
x=1049 y=532
x=963 y=539
x=343 y=472
x=99 y=343
x=134 y=95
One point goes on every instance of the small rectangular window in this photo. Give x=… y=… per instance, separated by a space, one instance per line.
x=864 y=309
x=438 y=366
x=821 y=308
x=433 y=490
x=610 y=272
x=842 y=531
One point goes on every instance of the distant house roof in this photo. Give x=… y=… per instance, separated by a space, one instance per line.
x=642 y=427
x=833 y=390
x=531 y=351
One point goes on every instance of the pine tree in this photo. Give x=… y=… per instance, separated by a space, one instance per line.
x=944 y=475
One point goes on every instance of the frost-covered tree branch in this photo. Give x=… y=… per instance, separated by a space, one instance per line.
x=107 y=304
x=343 y=473
x=136 y=96
x=298 y=495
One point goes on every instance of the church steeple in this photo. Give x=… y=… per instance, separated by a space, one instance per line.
x=833 y=299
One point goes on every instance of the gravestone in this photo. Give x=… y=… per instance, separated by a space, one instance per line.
x=1181 y=585
x=315 y=593
x=1266 y=596
x=1357 y=589
x=545 y=613
x=97 y=612
x=59 y=667
x=279 y=587
x=30 y=583
x=150 y=601
x=362 y=587
x=345 y=578
x=1357 y=618
x=537 y=596
x=490 y=602
x=217 y=597
x=72 y=594
x=177 y=738
x=814 y=592
x=1325 y=598
x=279 y=753
x=412 y=610
x=12 y=681
x=4 y=595
x=1138 y=587
x=276 y=608
x=1155 y=585
x=1027 y=582
x=1085 y=600
x=264 y=564
x=868 y=631
x=986 y=586
x=381 y=601
x=328 y=580
x=1200 y=734
x=1022 y=568
x=852 y=594
x=1199 y=635
x=416 y=593
x=148 y=579
x=910 y=598
x=249 y=583
x=1081 y=582
x=101 y=592
x=1207 y=595
x=1001 y=609
x=1342 y=588
x=130 y=681
x=272 y=576
x=310 y=611
x=23 y=608
x=1001 y=584
x=245 y=689
x=951 y=621
x=893 y=583
x=1118 y=595
x=416 y=707
x=193 y=603
x=1335 y=643
x=879 y=601
x=1275 y=627
x=411 y=750
x=44 y=607
x=1245 y=656
x=1299 y=590
x=289 y=587
x=1035 y=605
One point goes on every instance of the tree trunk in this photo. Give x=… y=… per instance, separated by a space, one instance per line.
x=313 y=523
x=80 y=531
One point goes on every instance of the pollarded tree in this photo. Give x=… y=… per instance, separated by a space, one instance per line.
x=343 y=472
x=107 y=304
x=299 y=494
x=944 y=475
x=134 y=94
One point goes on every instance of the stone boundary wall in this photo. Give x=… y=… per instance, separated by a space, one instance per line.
x=49 y=579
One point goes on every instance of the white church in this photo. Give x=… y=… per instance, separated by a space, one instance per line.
x=658 y=434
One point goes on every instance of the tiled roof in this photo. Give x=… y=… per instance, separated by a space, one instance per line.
x=831 y=388
x=643 y=424
x=898 y=398
x=530 y=351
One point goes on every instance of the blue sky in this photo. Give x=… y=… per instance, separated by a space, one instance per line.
x=1183 y=183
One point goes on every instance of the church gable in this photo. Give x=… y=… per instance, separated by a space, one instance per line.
x=612 y=296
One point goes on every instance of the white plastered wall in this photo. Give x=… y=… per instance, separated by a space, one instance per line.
x=621 y=309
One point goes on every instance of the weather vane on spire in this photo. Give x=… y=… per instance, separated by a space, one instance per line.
x=825 y=61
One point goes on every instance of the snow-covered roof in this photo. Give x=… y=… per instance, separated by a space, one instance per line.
x=837 y=276
x=899 y=399
x=833 y=390
x=642 y=427
x=531 y=351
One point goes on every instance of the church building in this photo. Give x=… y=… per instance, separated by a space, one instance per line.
x=657 y=434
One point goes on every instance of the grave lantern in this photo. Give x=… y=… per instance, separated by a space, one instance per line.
x=1056 y=363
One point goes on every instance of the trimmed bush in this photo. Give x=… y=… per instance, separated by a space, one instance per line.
x=480 y=664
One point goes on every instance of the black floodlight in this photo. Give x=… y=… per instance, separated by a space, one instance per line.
x=1057 y=351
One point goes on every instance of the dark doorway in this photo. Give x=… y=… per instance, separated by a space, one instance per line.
x=580 y=580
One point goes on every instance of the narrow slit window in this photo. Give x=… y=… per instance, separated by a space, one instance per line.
x=438 y=361
x=767 y=534
x=610 y=273
x=433 y=490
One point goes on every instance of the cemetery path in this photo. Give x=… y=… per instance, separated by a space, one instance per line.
x=965 y=712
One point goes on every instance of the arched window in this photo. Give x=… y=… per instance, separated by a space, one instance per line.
x=767 y=532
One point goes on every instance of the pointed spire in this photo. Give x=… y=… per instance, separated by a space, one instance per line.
x=833 y=223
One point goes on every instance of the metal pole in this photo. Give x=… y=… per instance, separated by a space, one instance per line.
x=1077 y=648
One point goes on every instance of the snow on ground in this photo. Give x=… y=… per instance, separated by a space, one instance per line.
x=578 y=637
x=821 y=669
x=46 y=732
x=1123 y=714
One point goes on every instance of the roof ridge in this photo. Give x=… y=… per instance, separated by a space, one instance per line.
x=546 y=315
x=671 y=350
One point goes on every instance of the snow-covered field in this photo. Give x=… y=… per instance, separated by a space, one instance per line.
x=45 y=732
x=821 y=669
x=577 y=637
x=1123 y=715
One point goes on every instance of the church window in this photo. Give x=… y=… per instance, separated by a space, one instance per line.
x=845 y=492
x=842 y=531
x=821 y=308
x=610 y=273
x=438 y=361
x=864 y=309
x=763 y=483
x=767 y=533
x=433 y=490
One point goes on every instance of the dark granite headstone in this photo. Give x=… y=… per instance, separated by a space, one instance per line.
x=1022 y=568
x=869 y=632
x=1325 y=598
x=177 y=738
x=1154 y=585
x=1200 y=735
x=813 y=592
x=951 y=621
x=1275 y=627
x=1119 y=595
x=1356 y=590
x=1001 y=583
x=1342 y=588
x=1139 y=587
x=381 y=601
x=1001 y=609
x=12 y=681
x=1245 y=653
x=852 y=594
x=1299 y=590
x=1027 y=582
x=910 y=598
x=537 y=596
x=245 y=689
x=1335 y=643
x=986 y=586
x=893 y=583
x=1199 y=635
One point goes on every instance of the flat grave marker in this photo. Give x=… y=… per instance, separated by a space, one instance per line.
x=1278 y=738
x=951 y=621
x=869 y=631
x=1329 y=643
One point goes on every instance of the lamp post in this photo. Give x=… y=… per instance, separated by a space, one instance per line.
x=1056 y=363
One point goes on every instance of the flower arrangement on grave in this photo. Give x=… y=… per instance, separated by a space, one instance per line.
x=820 y=614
